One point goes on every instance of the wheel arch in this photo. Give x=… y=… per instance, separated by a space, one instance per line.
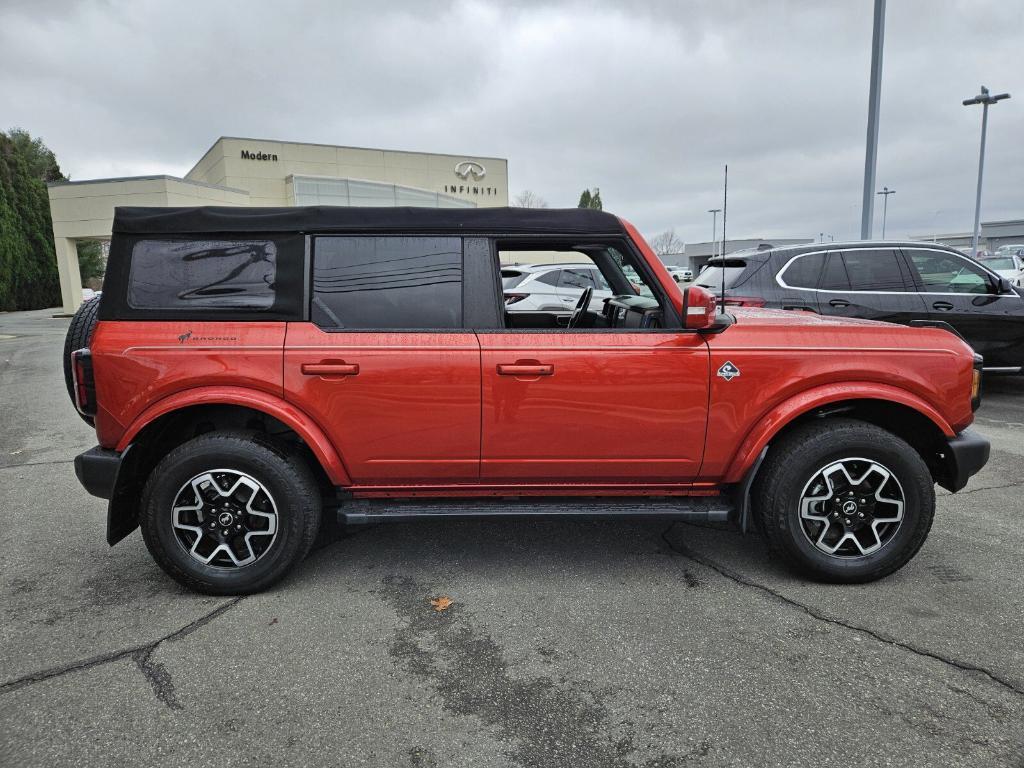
x=178 y=418
x=183 y=409
x=891 y=408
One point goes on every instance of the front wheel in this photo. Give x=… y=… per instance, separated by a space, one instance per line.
x=845 y=501
x=229 y=513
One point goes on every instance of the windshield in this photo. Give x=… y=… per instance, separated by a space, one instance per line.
x=510 y=278
x=711 y=277
x=1000 y=262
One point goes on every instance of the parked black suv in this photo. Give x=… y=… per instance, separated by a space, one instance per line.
x=893 y=281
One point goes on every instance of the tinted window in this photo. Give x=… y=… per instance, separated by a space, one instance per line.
x=387 y=282
x=711 y=277
x=834 y=277
x=580 y=279
x=510 y=278
x=185 y=274
x=873 y=270
x=804 y=271
x=549 y=278
x=945 y=273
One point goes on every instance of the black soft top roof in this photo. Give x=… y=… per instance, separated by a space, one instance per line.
x=330 y=218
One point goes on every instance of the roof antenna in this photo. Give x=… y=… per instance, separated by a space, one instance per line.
x=725 y=210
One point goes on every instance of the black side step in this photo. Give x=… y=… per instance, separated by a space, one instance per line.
x=705 y=509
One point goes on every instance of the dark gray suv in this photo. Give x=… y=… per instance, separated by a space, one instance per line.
x=898 y=282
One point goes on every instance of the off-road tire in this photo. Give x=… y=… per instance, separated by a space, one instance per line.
x=794 y=460
x=78 y=337
x=287 y=478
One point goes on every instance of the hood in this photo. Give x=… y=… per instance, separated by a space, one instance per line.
x=788 y=317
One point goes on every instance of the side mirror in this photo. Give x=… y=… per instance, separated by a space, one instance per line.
x=698 y=308
x=1005 y=286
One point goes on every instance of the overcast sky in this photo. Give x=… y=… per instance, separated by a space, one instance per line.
x=645 y=100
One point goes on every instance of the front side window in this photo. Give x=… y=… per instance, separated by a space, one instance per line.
x=875 y=270
x=387 y=282
x=945 y=273
x=202 y=274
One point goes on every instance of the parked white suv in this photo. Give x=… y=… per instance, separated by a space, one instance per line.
x=552 y=287
x=1008 y=263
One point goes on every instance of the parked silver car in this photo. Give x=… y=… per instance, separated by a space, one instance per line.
x=551 y=287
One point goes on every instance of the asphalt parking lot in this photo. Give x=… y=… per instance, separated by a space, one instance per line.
x=567 y=643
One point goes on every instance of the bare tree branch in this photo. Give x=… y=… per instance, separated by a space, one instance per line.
x=528 y=199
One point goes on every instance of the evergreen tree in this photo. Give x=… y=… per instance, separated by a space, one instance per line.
x=28 y=265
x=591 y=199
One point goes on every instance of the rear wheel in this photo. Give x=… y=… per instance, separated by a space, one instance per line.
x=78 y=337
x=230 y=513
x=844 y=500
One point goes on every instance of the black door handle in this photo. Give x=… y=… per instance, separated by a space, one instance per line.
x=945 y=306
x=839 y=303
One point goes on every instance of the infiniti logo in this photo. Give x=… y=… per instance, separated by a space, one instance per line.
x=468 y=168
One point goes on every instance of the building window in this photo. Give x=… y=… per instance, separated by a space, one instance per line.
x=387 y=282
x=313 y=190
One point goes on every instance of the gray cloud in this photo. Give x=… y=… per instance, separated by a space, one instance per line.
x=646 y=101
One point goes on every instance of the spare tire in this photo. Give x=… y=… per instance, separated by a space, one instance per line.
x=79 y=336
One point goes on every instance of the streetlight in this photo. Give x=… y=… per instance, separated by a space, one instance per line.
x=885 y=205
x=984 y=99
x=874 y=105
x=714 y=230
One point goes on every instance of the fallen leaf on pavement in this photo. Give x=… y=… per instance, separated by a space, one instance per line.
x=441 y=603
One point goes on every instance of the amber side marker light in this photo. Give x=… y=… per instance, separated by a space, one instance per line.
x=976 y=383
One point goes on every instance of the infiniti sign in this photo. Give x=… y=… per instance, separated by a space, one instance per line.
x=468 y=168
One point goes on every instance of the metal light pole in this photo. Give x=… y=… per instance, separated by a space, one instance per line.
x=885 y=205
x=714 y=230
x=874 y=98
x=984 y=99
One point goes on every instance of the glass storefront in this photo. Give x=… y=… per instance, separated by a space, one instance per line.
x=317 y=190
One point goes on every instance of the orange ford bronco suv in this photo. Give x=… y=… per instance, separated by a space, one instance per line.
x=250 y=371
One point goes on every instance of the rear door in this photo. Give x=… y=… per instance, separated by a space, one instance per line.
x=963 y=294
x=870 y=283
x=385 y=365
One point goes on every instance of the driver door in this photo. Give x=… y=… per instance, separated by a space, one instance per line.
x=607 y=407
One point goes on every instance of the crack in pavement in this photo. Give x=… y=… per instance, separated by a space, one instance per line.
x=681 y=550
x=35 y=463
x=986 y=488
x=156 y=674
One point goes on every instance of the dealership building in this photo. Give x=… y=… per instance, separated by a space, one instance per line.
x=247 y=172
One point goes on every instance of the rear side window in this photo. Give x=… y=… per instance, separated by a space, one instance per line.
x=580 y=279
x=804 y=271
x=834 y=277
x=876 y=270
x=549 y=278
x=387 y=282
x=203 y=274
x=510 y=278
x=711 y=277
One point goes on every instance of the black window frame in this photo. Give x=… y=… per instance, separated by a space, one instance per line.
x=465 y=314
